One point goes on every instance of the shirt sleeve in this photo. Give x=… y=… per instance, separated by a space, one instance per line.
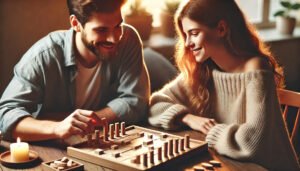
x=133 y=90
x=166 y=106
x=22 y=97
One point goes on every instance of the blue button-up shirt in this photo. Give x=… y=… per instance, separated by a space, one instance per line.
x=44 y=81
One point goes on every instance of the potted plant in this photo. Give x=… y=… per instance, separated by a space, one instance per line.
x=167 y=17
x=285 y=22
x=140 y=19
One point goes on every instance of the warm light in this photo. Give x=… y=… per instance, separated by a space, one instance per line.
x=19 y=151
x=18 y=140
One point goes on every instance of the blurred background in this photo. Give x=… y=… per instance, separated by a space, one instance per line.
x=23 y=22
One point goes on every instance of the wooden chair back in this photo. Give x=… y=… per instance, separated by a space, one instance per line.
x=290 y=98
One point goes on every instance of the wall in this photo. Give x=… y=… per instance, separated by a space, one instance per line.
x=23 y=22
x=288 y=55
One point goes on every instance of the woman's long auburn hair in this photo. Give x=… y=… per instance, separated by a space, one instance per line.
x=241 y=40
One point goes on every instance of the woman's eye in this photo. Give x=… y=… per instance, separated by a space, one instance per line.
x=194 y=33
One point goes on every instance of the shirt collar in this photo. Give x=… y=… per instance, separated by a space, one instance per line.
x=69 y=50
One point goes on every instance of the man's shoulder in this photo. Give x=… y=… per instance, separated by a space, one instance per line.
x=130 y=33
x=48 y=47
x=53 y=39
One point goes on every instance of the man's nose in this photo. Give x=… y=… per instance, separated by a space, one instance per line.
x=111 y=38
x=114 y=36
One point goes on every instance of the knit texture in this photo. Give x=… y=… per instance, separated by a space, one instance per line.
x=251 y=127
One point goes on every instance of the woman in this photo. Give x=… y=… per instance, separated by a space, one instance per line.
x=227 y=86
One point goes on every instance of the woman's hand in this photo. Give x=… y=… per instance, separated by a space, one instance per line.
x=199 y=123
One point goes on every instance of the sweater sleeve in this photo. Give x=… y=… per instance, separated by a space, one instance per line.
x=166 y=105
x=263 y=137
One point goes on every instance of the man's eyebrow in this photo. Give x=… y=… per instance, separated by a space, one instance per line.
x=100 y=28
x=119 y=23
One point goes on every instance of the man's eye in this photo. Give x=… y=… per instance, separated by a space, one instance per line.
x=101 y=30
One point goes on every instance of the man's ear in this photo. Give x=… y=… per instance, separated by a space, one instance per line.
x=75 y=24
x=222 y=28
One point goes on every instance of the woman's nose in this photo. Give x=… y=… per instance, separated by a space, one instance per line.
x=189 y=43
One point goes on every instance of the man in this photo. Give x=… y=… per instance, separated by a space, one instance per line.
x=68 y=80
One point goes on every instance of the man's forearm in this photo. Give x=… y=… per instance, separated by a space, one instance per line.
x=107 y=112
x=30 y=129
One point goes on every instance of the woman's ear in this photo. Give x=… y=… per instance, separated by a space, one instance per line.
x=222 y=28
x=75 y=24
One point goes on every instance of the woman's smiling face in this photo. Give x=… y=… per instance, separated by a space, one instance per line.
x=199 y=39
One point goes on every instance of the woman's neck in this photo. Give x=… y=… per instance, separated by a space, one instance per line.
x=228 y=62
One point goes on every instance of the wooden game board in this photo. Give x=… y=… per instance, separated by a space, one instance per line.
x=139 y=149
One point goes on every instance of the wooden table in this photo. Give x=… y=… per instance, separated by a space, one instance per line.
x=52 y=150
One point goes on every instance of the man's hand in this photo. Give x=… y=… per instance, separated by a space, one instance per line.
x=199 y=123
x=79 y=122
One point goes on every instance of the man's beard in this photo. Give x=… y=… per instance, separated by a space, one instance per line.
x=93 y=48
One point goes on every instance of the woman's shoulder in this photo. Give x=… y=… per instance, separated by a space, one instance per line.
x=257 y=63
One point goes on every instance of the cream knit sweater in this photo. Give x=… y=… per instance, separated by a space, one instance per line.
x=245 y=105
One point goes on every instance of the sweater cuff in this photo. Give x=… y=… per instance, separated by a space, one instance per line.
x=214 y=135
x=169 y=118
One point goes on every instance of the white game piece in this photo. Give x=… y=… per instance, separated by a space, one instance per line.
x=60 y=168
x=150 y=136
x=207 y=166
x=60 y=163
x=74 y=164
x=53 y=165
x=64 y=159
x=198 y=168
x=215 y=163
x=70 y=163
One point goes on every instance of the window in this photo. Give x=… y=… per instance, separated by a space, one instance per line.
x=259 y=12
x=252 y=9
x=275 y=5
